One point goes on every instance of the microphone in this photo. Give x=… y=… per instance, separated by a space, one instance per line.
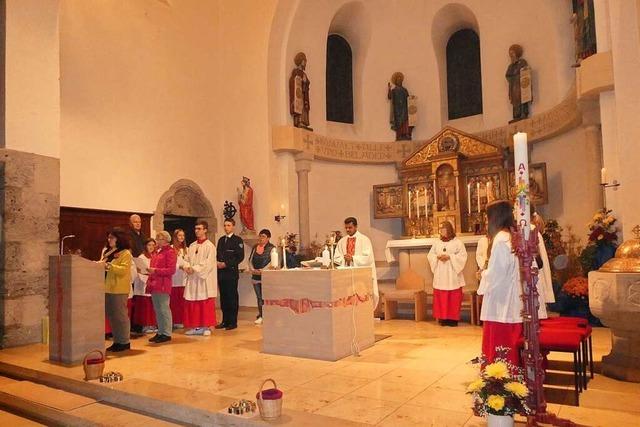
x=62 y=242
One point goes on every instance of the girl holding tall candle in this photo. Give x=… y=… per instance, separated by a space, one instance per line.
x=447 y=258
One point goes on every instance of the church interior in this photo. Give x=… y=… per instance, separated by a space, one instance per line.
x=370 y=142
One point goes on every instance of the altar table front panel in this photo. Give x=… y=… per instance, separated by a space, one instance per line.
x=318 y=314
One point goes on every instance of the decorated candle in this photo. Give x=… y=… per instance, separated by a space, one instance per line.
x=521 y=162
x=274 y=258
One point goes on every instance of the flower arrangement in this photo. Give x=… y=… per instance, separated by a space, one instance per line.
x=576 y=287
x=602 y=227
x=500 y=389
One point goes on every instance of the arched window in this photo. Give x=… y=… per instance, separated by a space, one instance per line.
x=464 y=78
x=339 y=80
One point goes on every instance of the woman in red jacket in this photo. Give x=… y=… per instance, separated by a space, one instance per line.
x=163 y=267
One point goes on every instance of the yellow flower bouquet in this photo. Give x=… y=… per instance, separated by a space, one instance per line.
x=500 y=389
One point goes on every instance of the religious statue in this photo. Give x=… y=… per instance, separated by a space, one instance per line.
x=229 y=210
x=584 y=30
x=399 y=116
x=519 y=77
x=299 y=104
x=245 y=199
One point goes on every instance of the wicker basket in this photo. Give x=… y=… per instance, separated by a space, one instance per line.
x=269 y=401
x=93 y=367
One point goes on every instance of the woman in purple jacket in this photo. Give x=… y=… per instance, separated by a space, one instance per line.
x=163 y=267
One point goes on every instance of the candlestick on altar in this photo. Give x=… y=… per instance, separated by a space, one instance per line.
x=409 y=203
x=418 y=204
x=435 y=194
x=284 y=253
x=603 y=176
x=426 y=203
x=469 y=198
x=478 y=194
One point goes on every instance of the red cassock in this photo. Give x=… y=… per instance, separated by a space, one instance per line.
x=199 y=314
x=446 y=304
x=143 y=313
x=176 y=304
x=497 y=334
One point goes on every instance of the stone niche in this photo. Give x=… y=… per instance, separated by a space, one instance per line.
x=30 y=201
x=185 y=198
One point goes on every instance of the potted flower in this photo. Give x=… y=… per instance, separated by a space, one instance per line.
x=500 y=392
x=602 y=241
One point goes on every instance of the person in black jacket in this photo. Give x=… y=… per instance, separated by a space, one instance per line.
x=230 y=253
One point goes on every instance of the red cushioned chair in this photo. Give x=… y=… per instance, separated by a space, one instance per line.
x=565 y=341
x=577 y=324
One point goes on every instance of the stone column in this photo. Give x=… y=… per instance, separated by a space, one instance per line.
x=303 y=167
x=593 y=148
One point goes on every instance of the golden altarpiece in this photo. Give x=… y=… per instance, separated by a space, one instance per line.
x=452 y=177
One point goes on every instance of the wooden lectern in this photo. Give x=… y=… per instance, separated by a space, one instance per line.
x=76 y=308
x=319 y=314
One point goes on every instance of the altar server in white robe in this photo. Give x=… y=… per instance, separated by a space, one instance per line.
x=500 y=287
x=447 y=258
x=201 y=286
x=355 y=250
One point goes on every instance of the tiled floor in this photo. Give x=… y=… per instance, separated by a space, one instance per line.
x=416 y=377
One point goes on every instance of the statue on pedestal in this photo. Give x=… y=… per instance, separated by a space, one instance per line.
x=519 y=77
x=245 y=200
x=399 y=116
x=299 y=104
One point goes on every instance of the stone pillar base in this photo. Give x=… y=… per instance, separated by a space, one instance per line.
x=621 y=367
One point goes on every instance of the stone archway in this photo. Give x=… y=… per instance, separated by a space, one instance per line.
x=185 y=198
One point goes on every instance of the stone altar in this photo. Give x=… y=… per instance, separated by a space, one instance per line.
x=318 y=314
x=76 y=308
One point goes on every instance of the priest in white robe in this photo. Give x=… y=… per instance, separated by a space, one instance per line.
x=447 y=258
x=355 y=250
x=201 y=286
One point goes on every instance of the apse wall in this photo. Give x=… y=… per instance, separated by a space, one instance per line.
x=388 y=36
x=140 y=87
x=411 y=36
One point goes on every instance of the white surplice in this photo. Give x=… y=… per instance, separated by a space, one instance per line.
x=202 y=284
x=363 y=256
x=543 y=291
x=140 y=281
x=481 y=252
x=180 y=277
x=500 y=283
x=545 y=284
x=447 y=275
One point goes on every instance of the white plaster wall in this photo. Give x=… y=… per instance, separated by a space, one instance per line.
x=341 y=190
x=32 y=70
x=620 y=111
x=140 y=102
x=573 y=172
